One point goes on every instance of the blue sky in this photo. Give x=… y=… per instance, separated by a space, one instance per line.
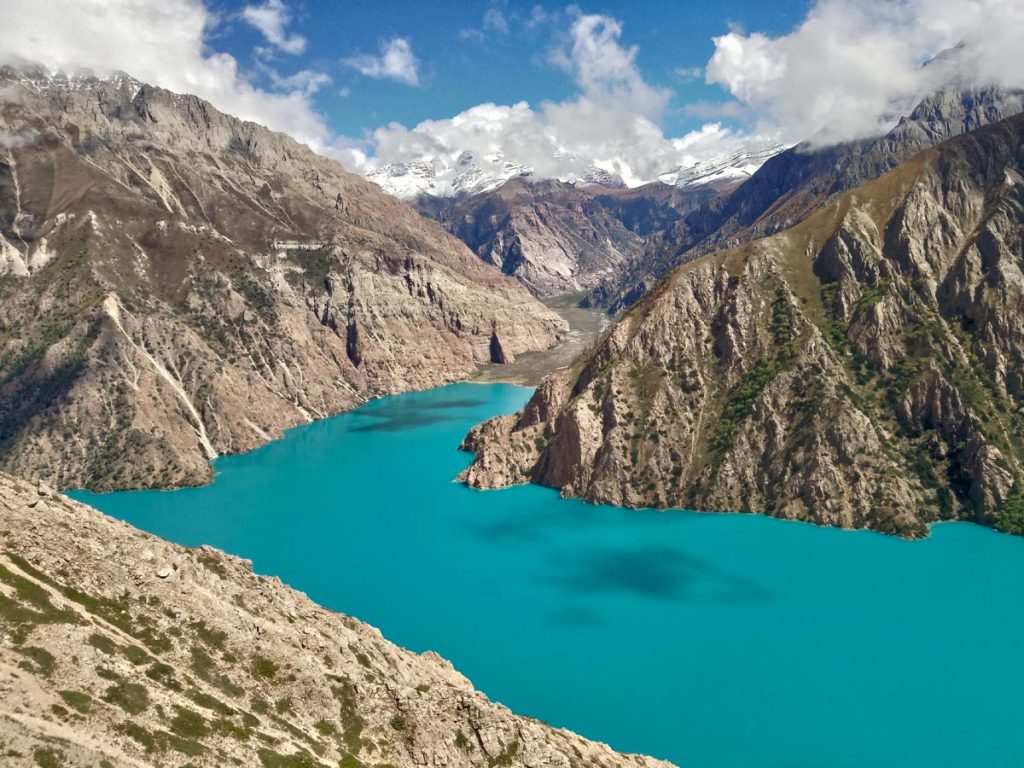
x=635 y=89
x=458 y=69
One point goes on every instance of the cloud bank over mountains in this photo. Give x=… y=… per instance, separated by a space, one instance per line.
x=612 y=124
x=853 y=66
x=849 y=69
x=163 y=42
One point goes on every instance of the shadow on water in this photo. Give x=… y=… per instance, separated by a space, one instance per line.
x=694 y=637
x=510 y=529
x=398 y=417
x=580 y=618
x=654 y=572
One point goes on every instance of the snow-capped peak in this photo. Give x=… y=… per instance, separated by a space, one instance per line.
x=441 y=177
x=465 y=174
x=737 y=166
x=37 y=78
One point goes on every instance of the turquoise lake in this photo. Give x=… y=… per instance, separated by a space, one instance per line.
x=716 y=641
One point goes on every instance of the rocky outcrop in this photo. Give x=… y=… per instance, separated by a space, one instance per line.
x=179 y=284
x=792 y=184
x=861 y=369
x=118 y=648
x=499 y=353
x=556 y=237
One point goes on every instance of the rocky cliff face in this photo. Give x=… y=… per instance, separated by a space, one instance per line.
x=864 y=368
x=792 y=184
x=559 y=238
x=177 y=284
x=117 y=648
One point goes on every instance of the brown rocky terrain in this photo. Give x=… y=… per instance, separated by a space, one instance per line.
x=864 y=368
x=556 y=237
x=799 y=181
x=176 y=284
x=120 y=649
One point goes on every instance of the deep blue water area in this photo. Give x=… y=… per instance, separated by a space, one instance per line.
x=716 y=641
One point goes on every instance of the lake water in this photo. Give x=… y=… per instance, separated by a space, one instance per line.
x=716 y=641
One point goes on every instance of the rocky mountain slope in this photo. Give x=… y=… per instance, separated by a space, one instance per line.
x=800 y=180
x=118 y=648
x=864 y=368
x=556 y=237
x=177 y=284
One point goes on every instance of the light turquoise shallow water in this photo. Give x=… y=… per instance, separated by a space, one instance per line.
x=718 y=641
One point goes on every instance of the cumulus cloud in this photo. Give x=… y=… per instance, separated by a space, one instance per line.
x=159 y=42
x=272 y=18
x=395 y=62
x=713 y=110
x=494 y=20
x=499 y=20
x=307 y=81
x=853 y=66
x=612 y=124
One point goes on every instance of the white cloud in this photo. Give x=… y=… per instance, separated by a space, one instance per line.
x=713 y=110
x=494 y=20
x=499 y=20
x=395 y=62
x=272 y=19
x=305 y=81
x=612 y=124
x=606 y=71
x=853 y=66
x=159 y=42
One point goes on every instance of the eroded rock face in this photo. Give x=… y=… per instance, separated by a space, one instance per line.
x=117 y=646
x=799 y=181
x=556 y=237
x=862 y=369
x=179 y=284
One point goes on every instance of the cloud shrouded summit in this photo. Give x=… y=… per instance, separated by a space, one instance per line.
x=853 y=66
x=162 y=42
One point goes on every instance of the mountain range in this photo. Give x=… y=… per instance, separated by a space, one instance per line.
x=860 y=368
x=794 y=183
x=833 y=334
x=465 y=174
x=556 y=237
x=615 y=243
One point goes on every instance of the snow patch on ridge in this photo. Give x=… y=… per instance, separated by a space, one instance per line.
x=439 y=176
